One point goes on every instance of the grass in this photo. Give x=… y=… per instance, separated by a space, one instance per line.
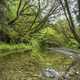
x=6 y=49
x=53 y=59
x=13 y=46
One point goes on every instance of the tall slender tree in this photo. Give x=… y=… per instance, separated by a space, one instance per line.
x=79 y=6
x=72 y=25
x=78 y=16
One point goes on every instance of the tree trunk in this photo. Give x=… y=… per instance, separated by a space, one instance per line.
x=79 y=6
x=72 y=26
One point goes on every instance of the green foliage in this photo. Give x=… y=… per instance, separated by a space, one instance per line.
x=12 y=9
x=27 y=21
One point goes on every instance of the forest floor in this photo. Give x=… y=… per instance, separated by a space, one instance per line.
x=25 y=66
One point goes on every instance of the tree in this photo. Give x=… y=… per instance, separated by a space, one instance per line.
x=37 y=11
x=78 y=16
x=79 y=5
x=3 y=8
x=71 y=22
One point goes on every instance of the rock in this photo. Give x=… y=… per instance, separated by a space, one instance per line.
x=50 y=73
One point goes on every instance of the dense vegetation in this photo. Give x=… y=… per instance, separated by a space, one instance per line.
x=45 y=33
